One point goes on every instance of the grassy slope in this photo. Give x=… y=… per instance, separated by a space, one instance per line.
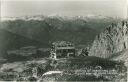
x=85 y=62
x=12 y=41
x=67 y=65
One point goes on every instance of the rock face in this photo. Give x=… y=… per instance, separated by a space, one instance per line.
x=112 y=40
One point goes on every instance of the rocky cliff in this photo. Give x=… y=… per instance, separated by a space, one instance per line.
x=112 y=40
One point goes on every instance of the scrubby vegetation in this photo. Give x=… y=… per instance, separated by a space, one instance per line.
x=74 y=69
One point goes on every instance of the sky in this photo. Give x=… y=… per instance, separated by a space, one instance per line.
x=111 y=8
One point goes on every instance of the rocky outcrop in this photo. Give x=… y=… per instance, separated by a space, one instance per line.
x=112 y=40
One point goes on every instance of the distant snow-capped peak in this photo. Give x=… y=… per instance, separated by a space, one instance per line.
x=42 y=17
x=36 y=17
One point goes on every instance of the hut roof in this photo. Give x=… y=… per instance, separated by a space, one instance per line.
x=62 y=44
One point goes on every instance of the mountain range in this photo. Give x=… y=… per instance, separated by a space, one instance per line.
x=44 y=30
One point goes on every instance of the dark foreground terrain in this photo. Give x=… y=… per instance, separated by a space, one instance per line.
x=70 y=69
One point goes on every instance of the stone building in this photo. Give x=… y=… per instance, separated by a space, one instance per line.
x=62 y=49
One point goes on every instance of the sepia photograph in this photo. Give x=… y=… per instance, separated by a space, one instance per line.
x=64 y=40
